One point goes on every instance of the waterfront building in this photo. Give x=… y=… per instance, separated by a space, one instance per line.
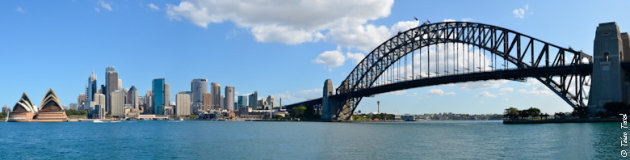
x=169 y=110
x=216 y=95
x=253 y=100
x=99 y=105
x=183 y=104
x=229 y=98
x=167 y=94
x=148 y=103
x=132 y=97
x=222 y=104
x=242 y=102
x=23 y=110
x=198 y=87
x=118 y=103
x=207 y=101
x=51 y=110
x=111 y=84
x=160 y=94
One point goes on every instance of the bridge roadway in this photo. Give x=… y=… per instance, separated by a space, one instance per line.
x=579 y=69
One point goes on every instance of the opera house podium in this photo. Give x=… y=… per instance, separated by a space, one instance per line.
x=50 y=110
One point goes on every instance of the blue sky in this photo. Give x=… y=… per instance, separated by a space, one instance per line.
x=273 y=47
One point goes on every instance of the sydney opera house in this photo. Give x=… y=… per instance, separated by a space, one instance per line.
x=49 y=111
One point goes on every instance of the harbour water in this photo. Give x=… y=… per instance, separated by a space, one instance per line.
x=308 y=140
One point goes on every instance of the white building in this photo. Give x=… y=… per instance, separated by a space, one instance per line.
x=118 y=103
x=183 y=103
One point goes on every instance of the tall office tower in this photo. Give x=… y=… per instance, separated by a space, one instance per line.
x=167 y=94
x=119 y=83
x=148 y=103
x=118 y=103
x=242 y=102
x=81 y=101
x=132 y=97
x=91 y=88
x=183 y=105
x=222 y=103
x=158 y=96
x=229 y=98
x=111 y=83
x=216 y=95
x=207 y=101
x=253 y=100
x=198 y=87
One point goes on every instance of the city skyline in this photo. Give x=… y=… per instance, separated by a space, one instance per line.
x=233 y=53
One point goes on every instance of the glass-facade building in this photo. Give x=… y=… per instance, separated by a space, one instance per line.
x=242 y=102
x=158 y=96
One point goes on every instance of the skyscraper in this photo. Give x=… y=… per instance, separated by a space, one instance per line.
x=253 y=100
x=183 y=105
x=207 y=101
x=118 y=103
x=198 y=87
x=158 y=96
x=148 y=103
x=216 y=95
x=167 y=94
x=229 y=98
x=242 y=102
x=132 y=97
x=91 y=88
x=111 y=83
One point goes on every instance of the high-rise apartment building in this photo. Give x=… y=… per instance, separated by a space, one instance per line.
x=229 y=98
x=207 y=101
x=216 y=95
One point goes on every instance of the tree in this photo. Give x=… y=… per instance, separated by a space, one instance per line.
x=532 y=111
x=298 y=112
x=511 y=113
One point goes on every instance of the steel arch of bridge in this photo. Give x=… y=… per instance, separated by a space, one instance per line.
x=509 y=45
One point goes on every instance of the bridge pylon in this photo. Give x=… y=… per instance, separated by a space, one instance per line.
x=608 y=79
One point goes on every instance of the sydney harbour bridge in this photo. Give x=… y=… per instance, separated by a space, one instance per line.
x=455 y=52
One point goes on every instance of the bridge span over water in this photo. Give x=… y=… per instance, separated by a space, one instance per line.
x=455 y=52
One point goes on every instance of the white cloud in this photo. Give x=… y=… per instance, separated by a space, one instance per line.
x=507 y=89
x=331 y=59
x=103 y=5
x=520 y=12
x=440 y=92
x=486 y=94
x=19 y=9
x=398 y=93
x=153 y=6
x=538 y=90
x=482 y=84
x=355 y=57
x=291 y=22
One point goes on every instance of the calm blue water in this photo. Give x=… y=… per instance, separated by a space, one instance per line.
x=308 y=140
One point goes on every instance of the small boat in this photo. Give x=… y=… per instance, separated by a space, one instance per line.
x=98 y=121
x=114 y=121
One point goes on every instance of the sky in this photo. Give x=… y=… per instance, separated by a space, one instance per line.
x=285 y=48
